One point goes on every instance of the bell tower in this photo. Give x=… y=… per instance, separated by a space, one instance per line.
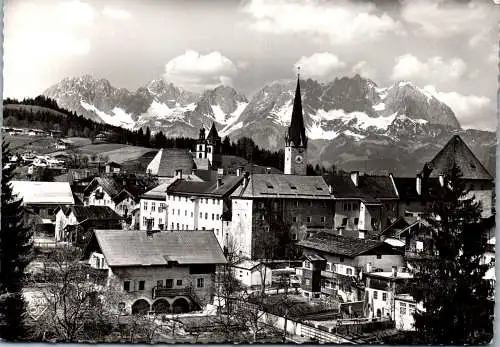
x=296 y=139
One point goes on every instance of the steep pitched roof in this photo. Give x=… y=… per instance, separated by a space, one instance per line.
x=343 y=188
x=93 y=212
x=227 y=186
x=283 y=186
x=341 y=245
x=159 y=192
x=407 y=187
x=118 y=187
x=136 y=248
x=213 y=137
x=168 y=160
x=379 y=187
x=296 y=130
x=457 y=152
x=206 y=175
x=33 y=192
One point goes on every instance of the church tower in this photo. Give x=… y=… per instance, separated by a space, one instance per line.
x=296 y=140
x=201 y=149
x=213 y=146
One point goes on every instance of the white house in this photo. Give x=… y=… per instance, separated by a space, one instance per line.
x=153 y=207
x=201 y=205
x=252 y=273
x=405 y=306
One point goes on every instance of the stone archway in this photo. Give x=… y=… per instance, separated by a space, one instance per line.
x=161 y=306
x=180 y=305
x=141 y=306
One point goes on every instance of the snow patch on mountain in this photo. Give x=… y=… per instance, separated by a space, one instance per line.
x=414 y=121
x=357 y=137
x=317 y=132
x=220 y=116
x=282 y=115
x=119 y=118
x=379 y=107
x=230 y=128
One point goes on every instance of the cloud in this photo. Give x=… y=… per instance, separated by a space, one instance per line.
x=116 y=13
x=319 y=65
x=340 y=22
x=196 y=72
x=443 y=18
x=434 y=69
x=75 y=12
x=365 y=70
x=472 y=111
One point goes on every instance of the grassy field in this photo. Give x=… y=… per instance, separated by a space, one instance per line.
x=116 y=152
x=21 y=143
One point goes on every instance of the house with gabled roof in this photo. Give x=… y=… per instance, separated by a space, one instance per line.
x=265 y=203
x=168 y=161
x=334 y=265
x=161 y=272
x=75 y=223
x=478 y=180
x=120 y=192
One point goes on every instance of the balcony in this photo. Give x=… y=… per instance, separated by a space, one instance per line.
x=162 y=292
x=328 y=274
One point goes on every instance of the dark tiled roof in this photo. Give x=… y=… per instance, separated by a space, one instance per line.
x=135 y=248
x=457 y=152
x=401 y=224
x=213 y=137
x=206 y=175
x=407 y=187
x=201 y=163
x=118 y=187
x=283 y=186
x=227 y=186
x=343 y=188
x=379 y=187
x=93 y=212
x=335 y=244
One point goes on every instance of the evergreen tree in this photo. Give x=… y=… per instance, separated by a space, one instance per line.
x=448 y=281
x=15 y=255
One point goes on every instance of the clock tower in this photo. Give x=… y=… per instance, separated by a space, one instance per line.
x=296 y=140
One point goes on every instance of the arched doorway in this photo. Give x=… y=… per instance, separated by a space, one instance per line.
x=141 y=306
x=180 y=305
x=161 y=306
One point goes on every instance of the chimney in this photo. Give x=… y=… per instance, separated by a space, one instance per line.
x=419 y=184
x=394 y=271
x=368 y=267
x=441 y=180
x=268 y=170
x=238 y=171
x=361 y=234
x=178 y=173
x=355 y=177
x=219 y=182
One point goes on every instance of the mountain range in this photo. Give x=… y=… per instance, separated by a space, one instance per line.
x=351 y=122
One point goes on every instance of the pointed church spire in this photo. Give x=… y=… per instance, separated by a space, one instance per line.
x=297 y=130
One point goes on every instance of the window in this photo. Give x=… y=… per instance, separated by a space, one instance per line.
x=159 y=284
x=379 y=256
x=341 y=259
x=411 y=308
x=328 y=266
x=191 y=214
x=322 y=219
x=169 y=283
x=294 y=237
x=218 y=202
x=345 y=207
x=384 y=296
x=153 y=206
x=203 y=228
x=160 y=221
x=206 y=215
x=213 y=216
x=185 y=213
x=141 y=285
x=217 y=231
x=172 y=225
x=294 y=219
x=307 y=264
x=308 y=281
x=144 y=220
x=355 y=207
x=356 y=221
x=213 y=201
x=348 y=271
x=275 y=205
x=145 y=206
x=308 y=219
x=201 y=214
x=177 y=226
x=162 y=207
x=200 y=282
x=178 y=212
x=179 y=283
x=344 y=221
x=217 y=217
x=375 y=294
x=402 y=308
x=173 y=212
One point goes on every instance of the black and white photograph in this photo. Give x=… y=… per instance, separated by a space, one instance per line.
x=249 y=171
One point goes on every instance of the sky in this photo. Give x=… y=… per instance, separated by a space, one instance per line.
x=450 y=48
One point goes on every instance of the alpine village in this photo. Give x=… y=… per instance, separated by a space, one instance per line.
x=195 y=243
